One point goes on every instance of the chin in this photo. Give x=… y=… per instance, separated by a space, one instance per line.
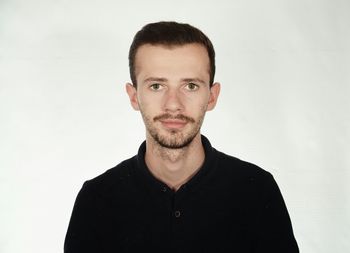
x=175 y=139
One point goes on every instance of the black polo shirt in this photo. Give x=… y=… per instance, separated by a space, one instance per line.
x=228 y=206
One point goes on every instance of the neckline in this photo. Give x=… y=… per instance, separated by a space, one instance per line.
x=149 y=179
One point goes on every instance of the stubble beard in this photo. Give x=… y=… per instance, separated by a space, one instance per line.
x=173 y=139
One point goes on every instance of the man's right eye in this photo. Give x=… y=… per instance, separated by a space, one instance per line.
x=155 y=86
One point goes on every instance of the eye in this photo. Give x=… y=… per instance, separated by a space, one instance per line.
x=155 y=86
x=192 y=87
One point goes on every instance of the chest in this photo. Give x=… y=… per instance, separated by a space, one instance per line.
x=204 y=220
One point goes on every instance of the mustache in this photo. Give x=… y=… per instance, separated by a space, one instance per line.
x=178 y=116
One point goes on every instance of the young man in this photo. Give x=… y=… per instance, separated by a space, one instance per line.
x=178 y=194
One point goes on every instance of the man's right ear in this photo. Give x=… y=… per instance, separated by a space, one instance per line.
x=132 y=92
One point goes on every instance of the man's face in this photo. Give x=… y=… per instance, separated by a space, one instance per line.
x=173 y=92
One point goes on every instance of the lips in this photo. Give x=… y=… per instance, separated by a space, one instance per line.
x=173 y=123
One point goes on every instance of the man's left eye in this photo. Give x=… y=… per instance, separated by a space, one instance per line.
x=192 y=86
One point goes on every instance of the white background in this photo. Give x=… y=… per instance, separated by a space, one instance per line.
x=65 y=117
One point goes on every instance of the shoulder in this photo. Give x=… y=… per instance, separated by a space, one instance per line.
x=237 y=166
x=111 y=179
x=256 y=185
x=239 y=170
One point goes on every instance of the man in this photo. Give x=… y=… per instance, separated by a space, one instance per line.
x=178 y=194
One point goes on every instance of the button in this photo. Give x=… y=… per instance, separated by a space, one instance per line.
x=164 y=189
x=177 y=214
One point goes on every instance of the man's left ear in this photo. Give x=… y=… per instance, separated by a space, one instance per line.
x=214 y=94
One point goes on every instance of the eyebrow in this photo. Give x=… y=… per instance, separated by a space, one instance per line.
x=162 y=79
x=196 y=80
x=155 y=79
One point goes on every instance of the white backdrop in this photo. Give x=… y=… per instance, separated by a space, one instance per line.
x=65 y=117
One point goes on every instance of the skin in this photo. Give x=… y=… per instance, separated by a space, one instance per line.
x=173 y=94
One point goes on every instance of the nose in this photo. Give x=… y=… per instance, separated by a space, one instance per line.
x=172 y=101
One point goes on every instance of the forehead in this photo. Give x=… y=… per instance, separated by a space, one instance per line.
x=189 y=59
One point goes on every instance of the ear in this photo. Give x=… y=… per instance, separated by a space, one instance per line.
x=132 y=92
x=214 y=94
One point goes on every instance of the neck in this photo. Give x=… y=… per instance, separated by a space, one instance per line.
x=174 y=167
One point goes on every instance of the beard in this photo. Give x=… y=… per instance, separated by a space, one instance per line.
x=174 y=138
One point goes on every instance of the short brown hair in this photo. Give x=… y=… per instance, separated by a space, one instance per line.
x=170 y=34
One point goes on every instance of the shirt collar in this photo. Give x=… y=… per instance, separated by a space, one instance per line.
x=146 y=176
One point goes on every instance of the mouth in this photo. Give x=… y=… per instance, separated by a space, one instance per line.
x=173 y=123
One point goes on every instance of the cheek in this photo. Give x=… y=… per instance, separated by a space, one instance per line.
x=146 y=97
x=149 y=106
x=155 y=101
x=197 y=104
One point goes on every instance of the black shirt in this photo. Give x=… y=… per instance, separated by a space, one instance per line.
x=228 y=206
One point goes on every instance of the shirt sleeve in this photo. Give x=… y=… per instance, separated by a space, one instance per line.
x=274 y=232
x=82 y=233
